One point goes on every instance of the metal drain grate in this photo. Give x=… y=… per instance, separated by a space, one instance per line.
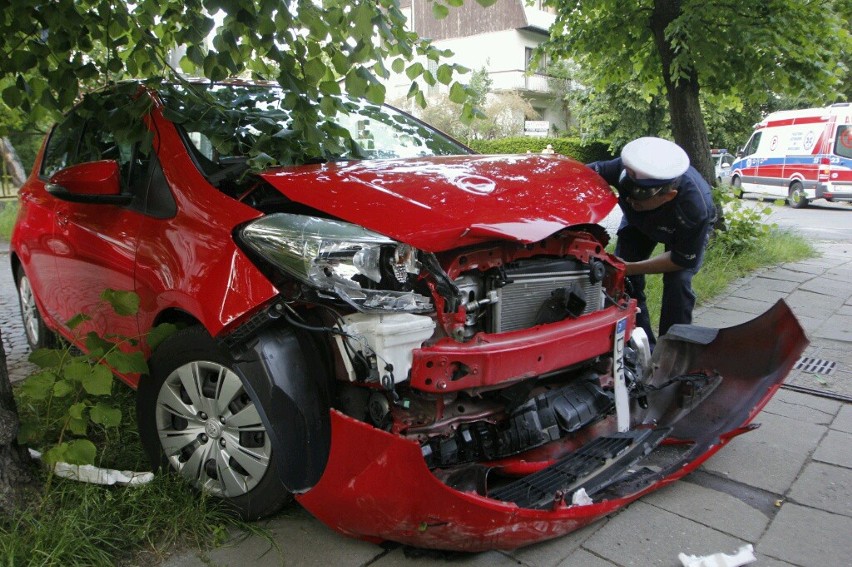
x=815 y=365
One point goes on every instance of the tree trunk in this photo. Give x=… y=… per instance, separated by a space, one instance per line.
x=14 y=167
x=16 y=468
x=688 y=126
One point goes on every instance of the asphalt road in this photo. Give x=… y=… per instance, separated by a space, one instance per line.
x=820 y=220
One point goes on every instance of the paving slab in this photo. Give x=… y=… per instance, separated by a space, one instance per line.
x=753 y=306
x=786 y=275
x=803 y=408
x=583 y=558
x=826 y=487
x=771 y=284
x=836 y=327
x=843 y=421
x=836 y=449
x=713 y=508
x=808 y=537
x=824 y=286
x=556 y=551
x=809 y=304
x=645 y=535
x=771 y=457
x=295 y=538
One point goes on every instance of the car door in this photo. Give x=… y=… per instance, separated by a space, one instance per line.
x=38 y=245
x=100 y=241
x=748 y=166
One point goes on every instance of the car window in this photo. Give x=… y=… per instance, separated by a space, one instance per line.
x=62 y=145
x=843 y=142
x=219 y=138
x=727 y=159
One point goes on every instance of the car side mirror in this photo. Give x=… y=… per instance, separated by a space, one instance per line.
x=96 y=182
x=740 y=153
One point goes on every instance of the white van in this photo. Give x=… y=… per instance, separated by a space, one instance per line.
x=799 y=155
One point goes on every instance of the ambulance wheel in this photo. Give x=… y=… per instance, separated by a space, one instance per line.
x=797 y=198
x=737 y=187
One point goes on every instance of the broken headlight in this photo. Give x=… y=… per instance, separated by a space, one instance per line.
x=366 y=270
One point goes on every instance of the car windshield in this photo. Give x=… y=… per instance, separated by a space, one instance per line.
x=245 y=119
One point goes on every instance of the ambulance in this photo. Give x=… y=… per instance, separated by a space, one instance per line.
x=798 y=155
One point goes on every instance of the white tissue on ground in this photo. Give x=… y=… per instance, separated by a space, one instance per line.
x=97 y=475
x=743 y=556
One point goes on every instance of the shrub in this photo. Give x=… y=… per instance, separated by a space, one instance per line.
x=576 y=148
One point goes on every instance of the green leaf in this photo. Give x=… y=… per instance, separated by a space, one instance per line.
x=439 y=11
x=445 y=74
x=414 y=70
x=105 y=415
x=122 y=302
x=80 y=452
x=458 y=94
x=38 y=386
x=76 y=410
x=46 y=357
x=78 y=426
x=158 y=334
x=12 y=96
x=127 y=362
x=315 y=70
x=398 y=65
x=99 y=381
x=97 y=346
x=77 y=371
x=62 y=388
x=75 y=321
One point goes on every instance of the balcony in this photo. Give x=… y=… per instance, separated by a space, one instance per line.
x=519 y=80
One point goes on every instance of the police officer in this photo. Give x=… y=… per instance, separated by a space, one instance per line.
x=664 y=200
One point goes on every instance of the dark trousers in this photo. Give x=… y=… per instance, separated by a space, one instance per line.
x=678 y=297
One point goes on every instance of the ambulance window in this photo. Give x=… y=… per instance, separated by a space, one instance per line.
x=843 y=141
x=751 y=147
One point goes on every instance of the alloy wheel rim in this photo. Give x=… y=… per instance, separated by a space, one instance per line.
x=211 y=431
x=28 y=310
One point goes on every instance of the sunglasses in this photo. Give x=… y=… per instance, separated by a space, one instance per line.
x=628 y=187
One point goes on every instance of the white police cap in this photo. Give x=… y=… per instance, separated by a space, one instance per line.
x=654 y=161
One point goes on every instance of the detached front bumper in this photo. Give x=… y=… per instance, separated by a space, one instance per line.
x=376 y=485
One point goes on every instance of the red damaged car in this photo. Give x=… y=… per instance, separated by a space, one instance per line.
x=421 y=344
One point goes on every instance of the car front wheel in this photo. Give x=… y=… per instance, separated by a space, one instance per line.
x=196 y=418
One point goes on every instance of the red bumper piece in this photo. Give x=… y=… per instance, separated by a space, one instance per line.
x=376 y=485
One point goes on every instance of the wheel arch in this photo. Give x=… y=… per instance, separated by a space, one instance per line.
x=288 y=380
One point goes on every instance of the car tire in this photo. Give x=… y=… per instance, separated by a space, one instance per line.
x=737 y=187
x=196 y=419
x=797 y=198
x=36 y=332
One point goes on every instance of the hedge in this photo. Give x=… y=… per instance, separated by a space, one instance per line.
x=583 y=152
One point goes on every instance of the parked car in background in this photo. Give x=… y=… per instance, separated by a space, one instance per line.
x=421 y=344
x=799 y=155
x=722 y=161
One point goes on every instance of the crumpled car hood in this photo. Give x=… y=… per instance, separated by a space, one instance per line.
x=441 y=203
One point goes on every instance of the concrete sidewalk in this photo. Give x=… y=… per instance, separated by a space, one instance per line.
x=786 y=488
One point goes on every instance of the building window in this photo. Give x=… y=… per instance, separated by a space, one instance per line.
x=540 y=68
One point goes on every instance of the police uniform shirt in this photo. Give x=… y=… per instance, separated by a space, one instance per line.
x=682 y=225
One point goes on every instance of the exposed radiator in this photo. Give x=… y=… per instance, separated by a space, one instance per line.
x=521 y=299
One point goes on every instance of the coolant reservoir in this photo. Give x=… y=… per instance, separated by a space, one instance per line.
x=390 y=336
